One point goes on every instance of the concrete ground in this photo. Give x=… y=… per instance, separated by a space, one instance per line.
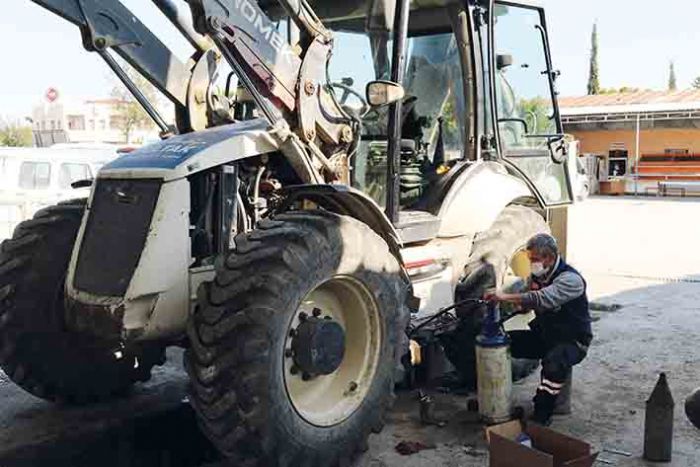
x=639 y=253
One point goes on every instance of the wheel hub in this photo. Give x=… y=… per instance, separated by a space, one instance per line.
x=318 y=345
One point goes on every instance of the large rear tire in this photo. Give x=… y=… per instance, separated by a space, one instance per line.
x=37 y=350
x=255 y=400
x=498 y=257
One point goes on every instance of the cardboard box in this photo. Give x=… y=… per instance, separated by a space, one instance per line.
x=549 y=448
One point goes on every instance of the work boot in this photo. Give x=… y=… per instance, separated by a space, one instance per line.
x=544 y=403
x=540 y=419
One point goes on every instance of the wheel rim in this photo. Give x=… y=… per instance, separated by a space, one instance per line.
x=326 y=400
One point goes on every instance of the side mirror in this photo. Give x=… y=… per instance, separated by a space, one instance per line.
x=503 y=61
x=381 y=93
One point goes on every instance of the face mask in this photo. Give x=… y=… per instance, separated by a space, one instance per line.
x=538 y=269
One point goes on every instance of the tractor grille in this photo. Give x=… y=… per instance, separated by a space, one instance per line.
x=115 y=235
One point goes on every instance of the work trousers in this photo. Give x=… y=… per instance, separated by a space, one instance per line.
x=557 y=360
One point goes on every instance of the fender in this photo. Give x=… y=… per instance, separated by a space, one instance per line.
x=347 y=201
x=477 y=197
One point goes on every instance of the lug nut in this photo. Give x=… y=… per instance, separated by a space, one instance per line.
x=303 y=316
x=294 y=370
x=353 y=386
x=317 y=312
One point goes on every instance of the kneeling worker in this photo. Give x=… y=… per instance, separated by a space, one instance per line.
x=561 y=332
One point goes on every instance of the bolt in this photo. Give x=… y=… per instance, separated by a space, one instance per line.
x=317 y=312
x=309 y=87
x=310 y=134
x=353 y=386
x=346 y=134
x=305 y=376
x=215 y=23
x=100 y=43
x=303 y=316
x=294 y=370
x=289 y=353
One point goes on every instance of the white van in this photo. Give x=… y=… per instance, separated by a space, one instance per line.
x=33 y=178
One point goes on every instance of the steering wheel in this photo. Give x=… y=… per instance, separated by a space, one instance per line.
x=347 y=92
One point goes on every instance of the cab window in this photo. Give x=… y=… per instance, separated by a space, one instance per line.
x=72 y=172
x=34 y=175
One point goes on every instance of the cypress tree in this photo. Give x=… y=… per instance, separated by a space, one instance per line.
x=672 y=83
x=593 y=80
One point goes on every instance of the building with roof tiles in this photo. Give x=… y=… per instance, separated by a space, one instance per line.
x=642 y=136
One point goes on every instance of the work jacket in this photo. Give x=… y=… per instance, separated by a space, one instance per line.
x=561 y=305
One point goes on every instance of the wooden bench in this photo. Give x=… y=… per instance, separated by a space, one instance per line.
x=682 y=186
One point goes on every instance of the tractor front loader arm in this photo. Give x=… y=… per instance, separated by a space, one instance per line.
x=288 y=82
x=106 y=24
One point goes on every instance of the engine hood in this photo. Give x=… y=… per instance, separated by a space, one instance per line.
x=182 y=155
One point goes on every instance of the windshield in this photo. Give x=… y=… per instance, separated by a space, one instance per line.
x=433 y=108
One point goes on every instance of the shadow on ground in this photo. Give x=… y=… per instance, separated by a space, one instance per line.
x=655 y=330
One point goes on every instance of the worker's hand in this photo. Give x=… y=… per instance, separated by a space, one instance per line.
x=493 y=296
x=500 y=297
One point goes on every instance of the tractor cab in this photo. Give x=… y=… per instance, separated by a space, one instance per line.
x=449 y=52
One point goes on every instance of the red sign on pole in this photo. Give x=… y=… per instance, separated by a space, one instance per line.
x=51 y=94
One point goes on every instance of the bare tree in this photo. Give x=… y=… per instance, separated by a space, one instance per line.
x=130 y=115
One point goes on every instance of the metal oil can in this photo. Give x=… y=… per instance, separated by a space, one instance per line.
x=493 y=366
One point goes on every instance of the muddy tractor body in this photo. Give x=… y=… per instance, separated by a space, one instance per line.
x=334 y=172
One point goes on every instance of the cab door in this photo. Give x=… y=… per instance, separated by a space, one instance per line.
x=530 y=134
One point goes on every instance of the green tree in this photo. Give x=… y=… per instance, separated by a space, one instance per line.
x=129 y=113
x=672 y=83
x=593 y=78
x=15 y=135
x=696 y=83
x=537 y=113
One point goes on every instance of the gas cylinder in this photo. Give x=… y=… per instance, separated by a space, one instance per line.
x=493 y=369
x=658 y=423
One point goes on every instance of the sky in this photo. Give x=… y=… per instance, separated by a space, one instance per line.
x=637 y=40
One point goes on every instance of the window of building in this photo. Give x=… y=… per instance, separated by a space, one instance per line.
x=72 y=172
x=34 y=175
x=53 y=124
x=676 y=152
x=58 y=125
x=76 y=122
x=92 y=125
x=116 y=122
x=103 y=124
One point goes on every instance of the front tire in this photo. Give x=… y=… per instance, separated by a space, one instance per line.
x=498 y=257
x=37 y=350
x=255 y=401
